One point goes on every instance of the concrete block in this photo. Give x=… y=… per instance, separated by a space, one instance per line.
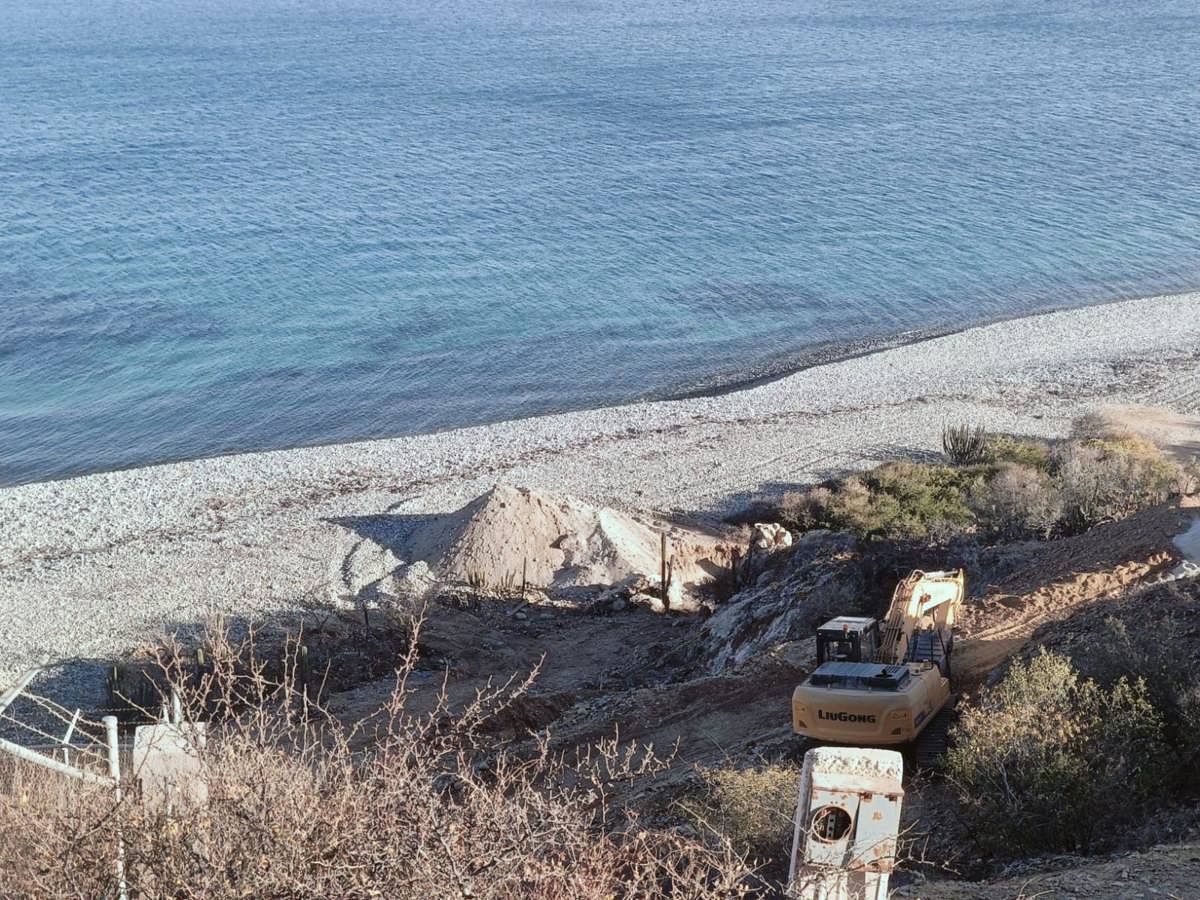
x=847 y=823
x=167 y=762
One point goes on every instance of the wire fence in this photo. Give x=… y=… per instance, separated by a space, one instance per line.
x=39 y=730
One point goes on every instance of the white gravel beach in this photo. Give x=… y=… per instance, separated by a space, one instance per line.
x=92 y=564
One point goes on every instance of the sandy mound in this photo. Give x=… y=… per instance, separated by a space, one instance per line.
x=559 y=540
x=1177 y=434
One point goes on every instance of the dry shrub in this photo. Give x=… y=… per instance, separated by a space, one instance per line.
x=432 y=808
x=335 y=650
x=59 y=836
x=1050 y=761
x=751 y=808
x=1110 y=478
x=1092 y=426
x=805 y=510
x=1019 y=502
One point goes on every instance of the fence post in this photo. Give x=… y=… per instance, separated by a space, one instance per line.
x=302 y=670
x=14 y=692
x=114 y=771
x=67 y=738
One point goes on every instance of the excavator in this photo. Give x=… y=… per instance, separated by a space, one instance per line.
x=886 y=686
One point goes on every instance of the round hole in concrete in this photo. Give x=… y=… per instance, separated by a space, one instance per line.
x=830 y=824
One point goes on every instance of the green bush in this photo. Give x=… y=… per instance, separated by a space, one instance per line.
x=1004 y=448
x=1024 y=490
x=899 y=500
x=1050 y=761
x=1161 y=653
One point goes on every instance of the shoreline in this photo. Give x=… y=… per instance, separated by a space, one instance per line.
x=824 y=353
x=92 y=563
x=766 y=371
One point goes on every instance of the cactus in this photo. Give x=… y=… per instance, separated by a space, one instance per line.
x=965 y=445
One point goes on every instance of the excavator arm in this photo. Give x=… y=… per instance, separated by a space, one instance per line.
x=919 y=623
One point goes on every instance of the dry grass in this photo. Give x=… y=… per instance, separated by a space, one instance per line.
x=435 y=809
x=751 y=807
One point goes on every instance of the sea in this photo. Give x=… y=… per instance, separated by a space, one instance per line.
x=229 y=225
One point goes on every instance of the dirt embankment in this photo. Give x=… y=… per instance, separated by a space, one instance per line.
x=554 y=541
x=1038 y=583
x=720 y=686
x=715 y=690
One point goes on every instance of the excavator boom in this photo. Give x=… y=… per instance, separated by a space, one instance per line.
x=920 y=621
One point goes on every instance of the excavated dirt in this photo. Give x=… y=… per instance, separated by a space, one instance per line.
x=1042 y=583
x=597 y=675
x=661 y=679
x=1165 y=872
x=556 y=541
x=1166 y=615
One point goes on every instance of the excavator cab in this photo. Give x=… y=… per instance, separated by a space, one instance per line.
x=847 y=639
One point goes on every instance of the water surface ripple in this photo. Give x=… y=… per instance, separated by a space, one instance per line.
x=264 y=223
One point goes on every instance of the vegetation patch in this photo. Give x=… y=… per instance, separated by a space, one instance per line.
x=1004 y=448
x=1153 y=635
x=898 y=501
x=1109 y=478
x=992 y=488
x=435 y=808
x=1049 y=760
x=752 y=808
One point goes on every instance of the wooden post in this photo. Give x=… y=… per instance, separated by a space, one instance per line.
x=524 y=573
x=666 y=598
x=302 y=670
x=198 y=673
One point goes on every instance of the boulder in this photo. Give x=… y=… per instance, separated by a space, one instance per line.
x=770 y=537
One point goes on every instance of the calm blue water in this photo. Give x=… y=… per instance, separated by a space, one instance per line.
x=260 y=223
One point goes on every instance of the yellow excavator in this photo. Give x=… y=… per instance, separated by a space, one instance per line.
x=877 y=689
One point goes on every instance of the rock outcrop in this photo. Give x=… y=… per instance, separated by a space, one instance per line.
x=819 y=577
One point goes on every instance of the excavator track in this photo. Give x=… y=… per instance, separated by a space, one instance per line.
x=931 y=744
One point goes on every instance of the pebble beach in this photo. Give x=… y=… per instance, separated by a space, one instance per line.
x=94 y=564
